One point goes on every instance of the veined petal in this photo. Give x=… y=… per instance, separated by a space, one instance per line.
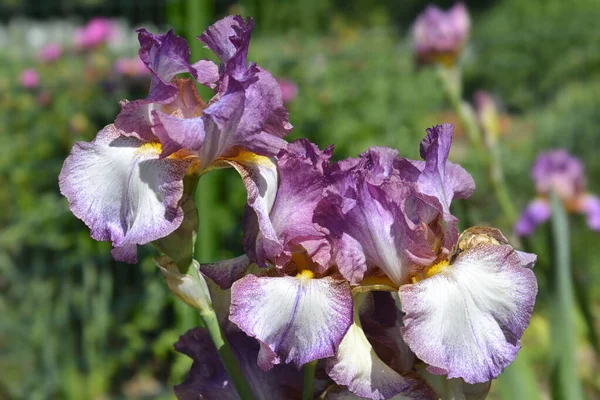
x=123 y=192
x=165 y=55
x=229 y=39
x=260 y=178
x=466 y=321
x=301 y=185
x=369 y=229
x=221 y=121
x=299 y=318
x=535 y=213
x=356 y=366
x=441 y=178
x=178 y=133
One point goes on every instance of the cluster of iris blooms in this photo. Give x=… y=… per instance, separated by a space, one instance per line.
x=356 y=268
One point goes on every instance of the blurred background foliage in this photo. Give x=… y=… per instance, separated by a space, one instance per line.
x=77 y=325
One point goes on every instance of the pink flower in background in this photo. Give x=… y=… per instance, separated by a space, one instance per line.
x=29 y=78
x=50 y=52
x=289 y=89
x=439 y=36
x=96 y=32
x=133 y=67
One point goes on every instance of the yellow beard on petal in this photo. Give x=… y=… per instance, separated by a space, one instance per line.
x=305 y=274
x=437 y=268
x=150 y=149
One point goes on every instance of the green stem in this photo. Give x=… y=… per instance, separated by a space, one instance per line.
x=453 y=390
x=226 y=354
x=566 y=384
x=488 y=154
x=309 y=380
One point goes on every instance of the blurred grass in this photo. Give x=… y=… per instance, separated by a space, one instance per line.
x=75 y=324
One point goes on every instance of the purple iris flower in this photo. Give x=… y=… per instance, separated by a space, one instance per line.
x=127 y=184
x=559 y=172
x=439 y=36
x=466 y=300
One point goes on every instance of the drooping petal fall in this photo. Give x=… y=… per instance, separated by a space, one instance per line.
x=467 y=319
x=120 y=188
x=300 y=318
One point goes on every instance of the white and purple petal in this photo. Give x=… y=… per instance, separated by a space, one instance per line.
x=369 y=229
x=259 y=175
x=301 y=185
x=298 y=318
x=466 y=321
x=121 y=189
x=357 y=366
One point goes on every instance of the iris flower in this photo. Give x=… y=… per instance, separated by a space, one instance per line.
x=127 y=184
x=466 y=300
x=558 y=171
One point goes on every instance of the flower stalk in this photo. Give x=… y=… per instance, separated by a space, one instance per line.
x=209 y=317
x=488 y=153
x=309 y=380
x=564 y=363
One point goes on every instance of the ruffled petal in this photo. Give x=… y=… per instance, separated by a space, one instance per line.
x=178 y=133
x=537 y=212
x=369 y=229
x=229 y=39
x=440 y=178
x=301 y=185
x=298 y=318
x=342 y=393
x=121 y=189
x=356 y=366
x=165 y=55
x=466 y=321
x=260 y=178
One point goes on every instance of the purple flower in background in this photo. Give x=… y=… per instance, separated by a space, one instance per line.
x=29 y=78
x=95 y=33
x=439 y=36
x=50 y=52
x=127 y=184
x=559 y=172
x=289 y=90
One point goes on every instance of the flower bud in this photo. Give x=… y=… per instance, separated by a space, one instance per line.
x=191 y=289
